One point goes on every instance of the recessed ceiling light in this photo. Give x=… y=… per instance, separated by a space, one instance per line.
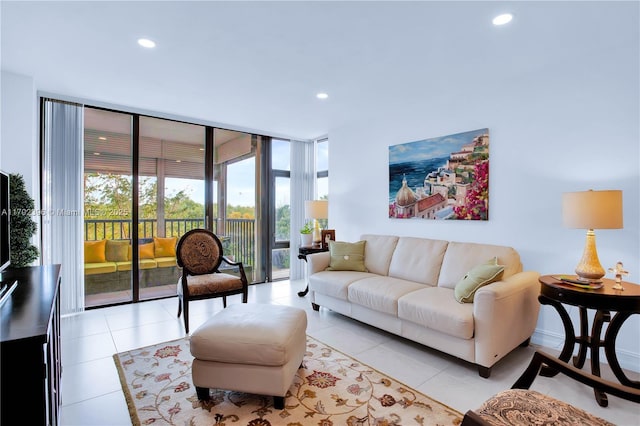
x=145 y=42
x=201 y=149
x=178 y=161
x=102 y=138
x=322 y=96
x=505 y=18
x=96 y=153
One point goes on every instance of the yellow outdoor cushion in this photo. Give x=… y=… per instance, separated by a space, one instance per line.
x=99 y=268
x=146 y=251
x=148 y=264
x=165 y=262
x=124 y=266
x=165 y=247
x=117 y=251
x=94 y=251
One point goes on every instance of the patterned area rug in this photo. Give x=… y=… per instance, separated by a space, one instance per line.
x=331 y=389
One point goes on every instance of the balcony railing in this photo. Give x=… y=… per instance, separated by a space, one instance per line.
x=238 y=237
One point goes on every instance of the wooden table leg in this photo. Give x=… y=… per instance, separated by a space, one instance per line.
x=569 y=334
x=595 y=344
x=610 y=348
x=583 y=340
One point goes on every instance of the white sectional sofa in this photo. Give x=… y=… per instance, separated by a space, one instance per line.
x=409 y=291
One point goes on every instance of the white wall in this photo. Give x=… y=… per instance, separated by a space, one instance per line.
x=19 y=137
x=562 y=127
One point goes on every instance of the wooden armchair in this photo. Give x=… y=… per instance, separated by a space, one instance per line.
x=521 y=406
x=199 y=254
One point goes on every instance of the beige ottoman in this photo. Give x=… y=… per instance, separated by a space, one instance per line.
x=252 y=348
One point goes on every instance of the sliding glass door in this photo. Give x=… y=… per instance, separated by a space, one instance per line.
x=147 y=181
x=171 y=192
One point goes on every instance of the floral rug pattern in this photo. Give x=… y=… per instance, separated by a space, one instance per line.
x=331 y=389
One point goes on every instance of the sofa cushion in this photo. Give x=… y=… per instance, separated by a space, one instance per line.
x=346 y=256
x=94 y=251
x=435 y=308
x=418 y=259
x=99 y=268
x=378 y=252
x=335 y=283
x=461 y=257
x=165 y=247
x=147 y=251
x=165 y=262
x=117 y=251
x=480 y=275
x=380 y=293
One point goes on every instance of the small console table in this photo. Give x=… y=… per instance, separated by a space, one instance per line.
x=303 y=252
x=604 y=301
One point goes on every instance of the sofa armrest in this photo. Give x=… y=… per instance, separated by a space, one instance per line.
x=505 y=315
x=317 y=262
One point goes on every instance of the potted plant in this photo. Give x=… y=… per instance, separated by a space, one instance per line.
x=306 y=237
x=23 y=227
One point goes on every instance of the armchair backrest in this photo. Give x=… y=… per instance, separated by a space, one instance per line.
x=199 y=252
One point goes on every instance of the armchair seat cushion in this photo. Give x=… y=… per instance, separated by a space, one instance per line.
x=528 y=407
x=210 y=283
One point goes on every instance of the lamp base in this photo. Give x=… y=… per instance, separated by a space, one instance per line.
x=317 y=232
x=589 y=269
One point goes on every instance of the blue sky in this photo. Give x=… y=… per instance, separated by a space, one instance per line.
x=426 y=149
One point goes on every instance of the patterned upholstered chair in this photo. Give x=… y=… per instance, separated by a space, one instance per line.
x=199 y=254
x=521 y=406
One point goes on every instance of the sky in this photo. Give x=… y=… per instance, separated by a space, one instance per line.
x=436 y=147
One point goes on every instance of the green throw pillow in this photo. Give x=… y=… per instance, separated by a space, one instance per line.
x=479 y=276
x=116 y=251
x=346 y=256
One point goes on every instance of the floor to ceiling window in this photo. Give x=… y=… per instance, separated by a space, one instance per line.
x=108 y=171
x=281 y=210
x=167 y=177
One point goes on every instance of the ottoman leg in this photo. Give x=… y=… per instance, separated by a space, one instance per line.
x=203 y=393
x=278 y=402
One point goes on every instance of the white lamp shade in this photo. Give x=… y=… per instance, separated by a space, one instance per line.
x=592 y=209
x=316 y=209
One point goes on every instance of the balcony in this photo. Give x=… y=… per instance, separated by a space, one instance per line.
x=115 y=287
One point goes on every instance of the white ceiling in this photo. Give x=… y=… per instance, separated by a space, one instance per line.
x=258 y=65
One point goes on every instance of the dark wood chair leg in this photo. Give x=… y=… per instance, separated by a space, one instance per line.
x=278 y=402
x=186 y=315
x=315 y=307
x=179 y=306
x=203 y=393
x=224 y=301
x=484 y=372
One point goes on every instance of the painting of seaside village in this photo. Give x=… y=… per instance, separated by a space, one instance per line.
x=443 y=178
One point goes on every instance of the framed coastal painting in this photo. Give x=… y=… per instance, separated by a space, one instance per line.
x=442 y=178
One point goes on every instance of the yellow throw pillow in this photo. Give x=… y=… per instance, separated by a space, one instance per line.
x=94 y=251
x=117 y=251
x=165 y=247
x=477 y=277
x=346 y=256
x=146 y=251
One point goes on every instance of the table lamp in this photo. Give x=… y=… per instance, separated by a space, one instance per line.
x=591 y=210
x=316 y=209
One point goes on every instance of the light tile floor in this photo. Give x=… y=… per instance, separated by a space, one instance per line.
x=91 y=392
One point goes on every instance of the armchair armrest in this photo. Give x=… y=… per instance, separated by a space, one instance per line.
x=505 y=315
x=540 y=358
